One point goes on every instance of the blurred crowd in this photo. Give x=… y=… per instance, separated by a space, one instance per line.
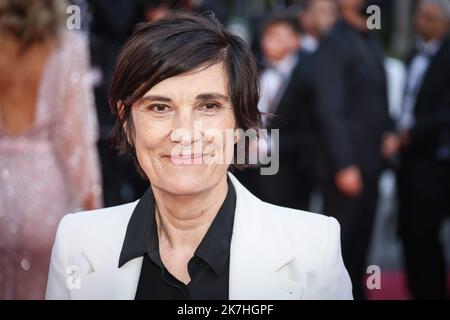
x=347 y=111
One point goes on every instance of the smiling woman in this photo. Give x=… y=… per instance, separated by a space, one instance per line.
x=157 y=52
x=197 y=233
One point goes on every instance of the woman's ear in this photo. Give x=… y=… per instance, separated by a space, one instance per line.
x=237 y=135
x=121 y=109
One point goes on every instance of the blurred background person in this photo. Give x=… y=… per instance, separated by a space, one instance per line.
x=352 y=114
x=111 y=24
x=316 y=18
x=48 y=132
x=286 y=97
x=424 y=176
x=157 y=9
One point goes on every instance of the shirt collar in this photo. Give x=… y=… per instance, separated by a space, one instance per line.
x=141 y=235
x=286 y=65
x=309 y=43
x=138 y=234
x=429 y=48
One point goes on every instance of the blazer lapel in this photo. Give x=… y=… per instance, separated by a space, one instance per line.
x=291 y=84
x=100 y=276
x=110 y=283
x=434 y=68
x=260 y=254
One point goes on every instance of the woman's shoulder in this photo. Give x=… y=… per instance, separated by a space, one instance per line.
x=300 y=223
x=97 y=220
x=296 y=224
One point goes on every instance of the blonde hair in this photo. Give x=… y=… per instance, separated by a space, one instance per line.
x=31 y=21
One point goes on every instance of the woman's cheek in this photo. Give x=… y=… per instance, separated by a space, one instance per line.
x=222 y=121
x=151 y=133
x=220 y=135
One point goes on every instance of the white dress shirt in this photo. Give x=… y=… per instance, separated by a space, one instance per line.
x=309 y=43
x=273 y=82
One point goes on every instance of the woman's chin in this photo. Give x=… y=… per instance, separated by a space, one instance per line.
x=187 y=180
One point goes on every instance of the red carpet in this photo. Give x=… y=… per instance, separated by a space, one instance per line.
x=393 y=287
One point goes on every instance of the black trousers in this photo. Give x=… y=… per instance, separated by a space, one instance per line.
x=356 y=216
x=424 y=203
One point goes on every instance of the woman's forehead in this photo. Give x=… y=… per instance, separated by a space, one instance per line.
x=211 y=79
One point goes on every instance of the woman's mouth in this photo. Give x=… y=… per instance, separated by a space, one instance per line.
x=186 y=159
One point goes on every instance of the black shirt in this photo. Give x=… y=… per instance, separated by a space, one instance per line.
x=208 y=268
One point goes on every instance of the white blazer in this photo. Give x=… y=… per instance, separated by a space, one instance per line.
x=276 y=253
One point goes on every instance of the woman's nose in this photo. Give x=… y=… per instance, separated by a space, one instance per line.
x=186 y=130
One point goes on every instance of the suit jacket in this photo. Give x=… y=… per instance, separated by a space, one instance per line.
x=293 y=115
x=351 y=100
x=292 y=185
x=276 y=253
x=432 y=107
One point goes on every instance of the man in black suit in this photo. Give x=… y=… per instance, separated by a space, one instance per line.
x=286 y=94
x=353 y=123
x=424 y=175
x=111 y=25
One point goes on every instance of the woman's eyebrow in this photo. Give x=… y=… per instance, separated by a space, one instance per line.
x=201 y=97
x=156 y=98
x=212 y=96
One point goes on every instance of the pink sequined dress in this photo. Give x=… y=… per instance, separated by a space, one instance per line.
x=48 y=170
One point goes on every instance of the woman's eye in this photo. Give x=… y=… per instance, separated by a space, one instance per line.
x=159 y=108
x=211 y=106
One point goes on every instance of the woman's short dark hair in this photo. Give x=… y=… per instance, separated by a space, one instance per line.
x=179 y=43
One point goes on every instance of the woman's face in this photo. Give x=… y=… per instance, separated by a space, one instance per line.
x=181 y=126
